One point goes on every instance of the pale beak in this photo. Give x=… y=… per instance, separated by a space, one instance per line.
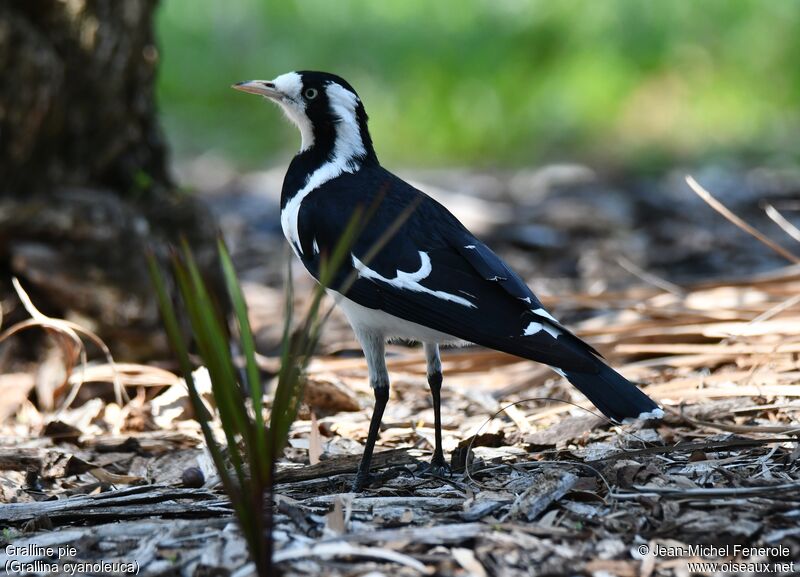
x=260 y=87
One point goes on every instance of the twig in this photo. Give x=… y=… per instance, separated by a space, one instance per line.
x=695 y=446
x=771 y=312
x=780 y=429
x=343 y=465
x=145 y=501
x=649 y=277
x=671 y=493
x=72 y=331
x=691 y=348
x=343 y=549
x=369 y=503
x=433 y=535
x=725 y=211
x=781 y=221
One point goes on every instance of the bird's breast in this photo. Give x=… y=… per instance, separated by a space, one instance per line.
x=316 y=179
x=289 y=214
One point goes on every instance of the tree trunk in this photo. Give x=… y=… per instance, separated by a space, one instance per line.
x=83 y=171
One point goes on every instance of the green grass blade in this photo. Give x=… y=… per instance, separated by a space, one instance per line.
x=219 y=348
x=246 y=492
x=178 y=344
x=297 y=351
x=213 y=356
x=248 y=347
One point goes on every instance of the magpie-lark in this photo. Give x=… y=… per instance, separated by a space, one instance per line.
x=432 y=281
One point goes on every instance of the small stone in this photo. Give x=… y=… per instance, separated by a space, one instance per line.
x=193 y=477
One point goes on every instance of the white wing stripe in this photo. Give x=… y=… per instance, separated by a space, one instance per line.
x=410 y=280
x=535 y=327
x=543 y=313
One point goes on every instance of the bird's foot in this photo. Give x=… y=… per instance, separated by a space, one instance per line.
x=436 y=468
x=362 y=481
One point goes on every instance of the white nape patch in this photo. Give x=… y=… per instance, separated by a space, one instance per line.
x=294 y=107
x=410 y=280
x=316 y=246
x=387 y=326
x=535 y=327
x=343 y=104
x=543 y=313
x=348 y=150
x=472 y=246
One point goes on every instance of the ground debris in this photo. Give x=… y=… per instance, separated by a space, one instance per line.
x=547 y=487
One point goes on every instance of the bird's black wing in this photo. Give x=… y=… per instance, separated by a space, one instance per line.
x=432 y=272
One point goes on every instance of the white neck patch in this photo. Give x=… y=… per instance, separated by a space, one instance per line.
x=348 y=151
x=343 y=104
x=294 y=107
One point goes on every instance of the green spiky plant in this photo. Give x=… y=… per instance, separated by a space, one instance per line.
x=253 y=446
x=247 y=468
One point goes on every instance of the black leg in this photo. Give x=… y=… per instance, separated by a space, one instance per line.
x=437 y=465
x=435 y=383
x=381 y=398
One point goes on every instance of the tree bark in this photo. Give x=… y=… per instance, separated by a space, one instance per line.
x=83 y=166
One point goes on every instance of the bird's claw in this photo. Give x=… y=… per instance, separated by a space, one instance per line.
x=436 y=468
x=363 y=481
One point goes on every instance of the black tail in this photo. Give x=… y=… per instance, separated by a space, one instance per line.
x=614 y=395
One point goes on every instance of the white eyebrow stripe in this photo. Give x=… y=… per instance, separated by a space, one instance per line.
x=410 y=280
x=289 y=84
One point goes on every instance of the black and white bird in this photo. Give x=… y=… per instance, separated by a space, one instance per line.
x=432 y=281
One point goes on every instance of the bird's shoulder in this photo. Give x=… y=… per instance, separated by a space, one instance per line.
x=382 y=202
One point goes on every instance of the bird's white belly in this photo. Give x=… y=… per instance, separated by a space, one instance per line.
x=389 y=326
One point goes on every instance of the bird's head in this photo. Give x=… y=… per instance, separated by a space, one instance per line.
x=324 y=107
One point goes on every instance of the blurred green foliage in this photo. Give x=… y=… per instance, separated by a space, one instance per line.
x=630 y=83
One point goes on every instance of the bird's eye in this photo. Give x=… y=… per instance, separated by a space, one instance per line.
x=310 y=93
